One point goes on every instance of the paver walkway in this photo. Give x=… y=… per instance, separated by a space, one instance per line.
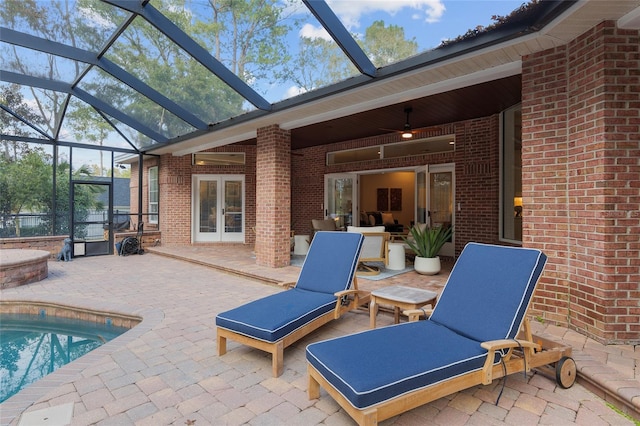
x=166 y=371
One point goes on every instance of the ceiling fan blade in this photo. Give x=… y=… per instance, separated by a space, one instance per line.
x=390 y=130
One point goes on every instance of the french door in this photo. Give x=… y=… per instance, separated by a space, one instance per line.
x=218 y=208
x=435 y=203
x=341 y=198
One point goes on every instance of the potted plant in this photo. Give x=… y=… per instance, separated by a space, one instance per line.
x=426 y=243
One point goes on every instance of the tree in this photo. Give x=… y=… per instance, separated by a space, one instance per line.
x=387 y=44
x=51 y=20
x=11 y=97
x=90 y=127
x=320 y=62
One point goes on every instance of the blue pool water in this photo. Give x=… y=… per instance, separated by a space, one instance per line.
x=32 y=346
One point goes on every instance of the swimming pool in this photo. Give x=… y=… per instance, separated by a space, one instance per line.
x=32 y=346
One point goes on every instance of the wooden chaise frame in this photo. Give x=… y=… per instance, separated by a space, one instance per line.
x=346 y=300
x=524 y=353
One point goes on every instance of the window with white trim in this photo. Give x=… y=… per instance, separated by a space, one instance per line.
x=153 y=195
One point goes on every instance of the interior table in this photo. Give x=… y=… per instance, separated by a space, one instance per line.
x=400 y=297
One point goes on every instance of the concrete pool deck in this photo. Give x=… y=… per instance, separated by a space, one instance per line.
x=166 y=371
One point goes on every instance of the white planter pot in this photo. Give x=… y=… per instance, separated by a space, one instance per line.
x=427 y=265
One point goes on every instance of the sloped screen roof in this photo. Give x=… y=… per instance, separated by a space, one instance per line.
x=133 y=75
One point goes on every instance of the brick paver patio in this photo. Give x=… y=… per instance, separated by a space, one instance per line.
x=166 y=371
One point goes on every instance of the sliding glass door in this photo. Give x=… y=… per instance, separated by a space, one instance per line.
x=441 y=204
x=341 y=198
x=435 y=205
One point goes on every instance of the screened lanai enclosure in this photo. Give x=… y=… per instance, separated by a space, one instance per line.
x=90 y=87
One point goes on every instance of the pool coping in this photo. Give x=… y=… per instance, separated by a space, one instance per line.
x=149 y=318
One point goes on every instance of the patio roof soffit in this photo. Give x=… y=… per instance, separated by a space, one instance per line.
x=47 y=46
x=197 y=52
x=630 y=21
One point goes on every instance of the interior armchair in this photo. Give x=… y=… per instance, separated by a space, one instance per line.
x=323 y=225
x=375 y=248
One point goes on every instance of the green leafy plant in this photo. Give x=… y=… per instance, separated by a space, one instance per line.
x=427 y=241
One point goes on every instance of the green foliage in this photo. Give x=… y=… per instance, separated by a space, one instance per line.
x=319 y=63
x=25 y=183
x=427 y=242
x=11 y=97
x=387 y=44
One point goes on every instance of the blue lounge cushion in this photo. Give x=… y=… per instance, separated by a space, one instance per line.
x=488 y=291
x=485 y=298
x=380 y=364
x=331 y=262
x=274 y=317
x=329 y=267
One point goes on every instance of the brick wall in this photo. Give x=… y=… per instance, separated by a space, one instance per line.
x=175 y=179
x=51 y=244
x=273 y=196
x=581 y=174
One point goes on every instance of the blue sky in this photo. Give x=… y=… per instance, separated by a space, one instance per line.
x=429 y=21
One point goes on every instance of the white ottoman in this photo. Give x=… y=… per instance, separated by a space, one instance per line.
x=301 y=244
x=396 y=256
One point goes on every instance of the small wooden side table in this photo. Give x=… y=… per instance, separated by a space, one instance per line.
x=399 y=297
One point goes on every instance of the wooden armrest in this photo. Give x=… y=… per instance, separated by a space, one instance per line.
x=360 y=297
x=358 y=294
x=495 y=345
x=416 y=314
x=288 y=285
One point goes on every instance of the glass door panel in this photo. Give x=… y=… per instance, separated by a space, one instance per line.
x=421 y=196
x=340 y=199
x=208 y=222
x=441 y=202
x=233 y=210
x=92 y=233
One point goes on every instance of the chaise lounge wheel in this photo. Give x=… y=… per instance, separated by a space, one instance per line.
x=566 y=372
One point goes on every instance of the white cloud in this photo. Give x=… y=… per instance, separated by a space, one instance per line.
x=294 y=91
x=312 y=32
x=351 y=11
x=92 y=17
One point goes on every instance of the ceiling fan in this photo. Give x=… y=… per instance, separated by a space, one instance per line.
x=407 y=132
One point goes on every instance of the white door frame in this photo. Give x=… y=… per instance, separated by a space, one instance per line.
x=220 y=234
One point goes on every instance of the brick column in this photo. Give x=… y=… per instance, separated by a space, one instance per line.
x=581 y=174
x=174 y=179
x=273 y=197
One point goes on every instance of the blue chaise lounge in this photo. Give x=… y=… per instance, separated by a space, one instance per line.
x=326 y=288
x=472 y=336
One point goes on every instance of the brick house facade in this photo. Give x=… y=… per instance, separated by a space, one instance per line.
x=580 y=179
